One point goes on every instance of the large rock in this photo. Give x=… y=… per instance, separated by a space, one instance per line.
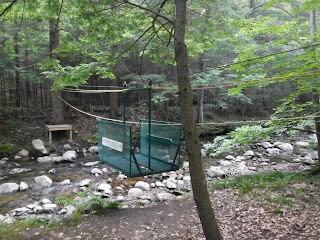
x=9 y=187
x=142 y=185
x=70 y=156
x=23 y=153
x=67 y=147
x=91 y=164
x=164 y=196
x=57 y=159
x=248 y=154
x=266 y=145
x=159 y=184
x=85 y=183
x=70 y=211
x=19 y=170
x=214 y=172
x=45 y=159
x=308 y=160
x=225 y=163
x=50 y=207
x=23 y=186
x=65 y=182
x=287 y=147
x=38 y=145
x=93 y=149
x=104 y=187
x=230 y=158
x=96 y=171
x=302 y=144
x=135 y=192
x=43 y=181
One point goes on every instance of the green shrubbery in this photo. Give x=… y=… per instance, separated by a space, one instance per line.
x=244 y=135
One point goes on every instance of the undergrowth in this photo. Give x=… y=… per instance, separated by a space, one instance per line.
x=244 y=135
x=13 y=230
x=271 y=188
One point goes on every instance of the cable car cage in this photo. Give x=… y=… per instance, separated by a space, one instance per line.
x=157 y=149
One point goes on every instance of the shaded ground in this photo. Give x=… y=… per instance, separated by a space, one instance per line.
x=239 y=217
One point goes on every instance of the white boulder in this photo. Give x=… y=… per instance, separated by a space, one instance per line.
x=230 y=158
x=23 y=186
x=164 y=196
x=9 y=187
x=67 y=147
x=96 y=171
x=248 y=154
x=159 y=184
x=70 y=156
x=38 y=145
x=91 y=164
x=104 y=187
x=142 y=185
x=57 y=159
x=215 y=171
x=19 y=170
x=266 y=145
x=50 y=207
x=135 y=192
x=65 y=182
x=45 y=159
x=93 y=149
x=287 y=147
x=302 y=144
x=23 y=153
x=85 y=183
x=43 y=181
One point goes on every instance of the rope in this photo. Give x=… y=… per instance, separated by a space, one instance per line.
x=90 y=86
x=172 y=124
x=92 y=115
x=90 y=91
x=115 y=120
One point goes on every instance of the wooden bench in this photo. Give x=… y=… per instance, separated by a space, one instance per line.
x=62 y=127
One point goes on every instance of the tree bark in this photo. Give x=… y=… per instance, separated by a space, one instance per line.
x=57 y=106
x=198 y=180
x=315 y=96
x=201 y=92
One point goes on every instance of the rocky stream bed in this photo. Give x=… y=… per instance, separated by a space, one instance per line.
x=29 y=185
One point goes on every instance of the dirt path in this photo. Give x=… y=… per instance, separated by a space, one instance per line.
x=238 y=219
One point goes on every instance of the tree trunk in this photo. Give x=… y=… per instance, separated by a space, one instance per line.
x=199 y=184
x=201 y=92
x=17 y=63
x=57 y=106
x=114 y=82
x=200 y=106
x=315 y=96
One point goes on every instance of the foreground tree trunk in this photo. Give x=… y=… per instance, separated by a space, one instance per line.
x=57 y=106
x=199 y=185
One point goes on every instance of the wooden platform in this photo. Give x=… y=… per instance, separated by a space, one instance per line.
x=62 y=127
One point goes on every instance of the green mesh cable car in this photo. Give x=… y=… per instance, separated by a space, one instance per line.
x=157 y=149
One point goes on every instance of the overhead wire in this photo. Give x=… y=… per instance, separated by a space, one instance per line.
x=212 y=123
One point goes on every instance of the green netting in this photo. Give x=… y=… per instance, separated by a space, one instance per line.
x=161 y=155
x=164 y=145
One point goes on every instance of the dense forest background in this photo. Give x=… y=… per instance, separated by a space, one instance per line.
x=47 y=46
